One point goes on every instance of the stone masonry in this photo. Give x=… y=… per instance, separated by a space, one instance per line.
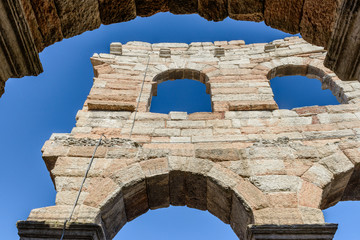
x=266 y=172
x=28 y=26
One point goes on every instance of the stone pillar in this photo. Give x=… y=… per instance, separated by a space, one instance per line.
x=29 y=230
x=18 y=53
x=344 y=46
x=298 y=232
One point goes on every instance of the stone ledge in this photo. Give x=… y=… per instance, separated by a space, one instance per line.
x=287 y=232
x=42 y=230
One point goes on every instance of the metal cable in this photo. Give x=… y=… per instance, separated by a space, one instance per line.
x=82 y=184
x=138 y=102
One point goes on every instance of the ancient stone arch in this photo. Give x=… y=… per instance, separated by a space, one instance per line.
x=28 y=26
x=266 y=172
x=302 y=69
x=175 y=74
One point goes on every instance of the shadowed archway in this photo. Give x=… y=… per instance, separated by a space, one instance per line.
x=184 y=182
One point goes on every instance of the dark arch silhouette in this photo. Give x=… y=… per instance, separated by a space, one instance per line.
x=193 y=187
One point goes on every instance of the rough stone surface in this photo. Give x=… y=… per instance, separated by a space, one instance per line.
x=331 y=24
x=116 y=11
x=183 y=6
x=274 y=169
x=215 y=10
x=318 y=20
x=146 y=8
x=48 y=22
x=18 y=52
x=33 y=24
x=77 y=17
x=249 y=10
x=284 y=14
x=344 y=42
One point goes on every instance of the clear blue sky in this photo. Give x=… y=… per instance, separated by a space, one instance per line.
x=33 y=108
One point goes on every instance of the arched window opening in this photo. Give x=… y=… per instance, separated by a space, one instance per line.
x=176 y=223
x=299 y=86
x=299 y=91
x=183 y=94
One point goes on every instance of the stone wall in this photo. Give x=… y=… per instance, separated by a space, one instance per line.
x=262 y=170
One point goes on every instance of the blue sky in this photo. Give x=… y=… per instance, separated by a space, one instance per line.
x=33 y=108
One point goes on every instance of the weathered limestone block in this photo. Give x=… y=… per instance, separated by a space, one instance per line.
x=344 y=45
x=312 y=215
x=134 y=190
x=341 y=168
x=310 y=195
x=177 y=188
x=213 y=10
x=178 y=115
x=318 y=175
x=77 y=17
x=110 y=106
x=279 y=216
x=218 y=155
x=113 y=213
x=219 y=192
x=112 y=11
x=196 y=191
x=69 y=197
x=86 y=151
x=318 y=20
x=18 y=52
x=253 y=197
x=158 y=191
x=194 y=180
x=284 y=15
x=248 y=10
x=352 y=192
x=157 y=182
x=97 y=196
x=218 y=201
x=277 y=183
x=117 y=96
x=183 y=6
x=240 y=217
x=47 y=20
x=146 y=8
x=252 y=105
x=33 y=25
x=283 y=200
x=82 y=214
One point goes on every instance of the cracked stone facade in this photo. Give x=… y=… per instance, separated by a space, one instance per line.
x=266 y=172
